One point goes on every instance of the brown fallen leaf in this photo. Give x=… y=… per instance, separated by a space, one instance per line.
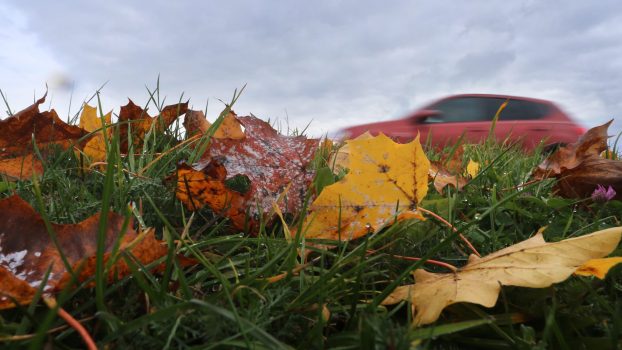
x=269 y=161
x=140 y=122
x=204 y=183
x=385 y=180
x=448 y=171
x=17 y=159
x=442 y=178
x=27 y=252
x=580 y=169
x=531 y=263
x=590 y=144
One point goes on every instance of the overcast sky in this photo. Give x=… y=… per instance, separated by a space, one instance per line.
x=331 y=63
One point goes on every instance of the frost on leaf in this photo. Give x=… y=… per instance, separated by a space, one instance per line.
x=17 y=133
x=136 y=119
x=385 y=179
x=27 y=252
x=531 y=263
x=274 y=166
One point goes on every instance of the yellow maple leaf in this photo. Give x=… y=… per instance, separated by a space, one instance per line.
x=598 y=267
x=95 y=148
x=531 y=263
x=339 y=160
x=230 y=127
x=472 y=168
x=385 y=179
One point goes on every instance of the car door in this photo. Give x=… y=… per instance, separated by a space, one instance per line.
x=457 y=116
x=520 y=121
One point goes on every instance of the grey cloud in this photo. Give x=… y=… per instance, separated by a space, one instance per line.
x=336 y=62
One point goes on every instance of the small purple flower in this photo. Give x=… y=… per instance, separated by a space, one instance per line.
x=602 y=194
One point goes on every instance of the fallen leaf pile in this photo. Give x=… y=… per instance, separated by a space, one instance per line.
x=579 y=167
x=275 y=166
x=18 y=159
x=532 y=263
x=27 y=251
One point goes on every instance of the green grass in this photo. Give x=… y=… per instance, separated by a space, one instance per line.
x=225 y=302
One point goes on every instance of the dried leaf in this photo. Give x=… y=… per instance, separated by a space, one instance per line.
x=532 y=263
x=269 y=161
x=443 y=178
x=579 y=167
x=204 y=183
x=339 y=160
x=140 y=122
x=385 y=179
x=598 y=267
x=590 y=144
x=472 y=168
x=17 y=160
x=448 y=171
x=95 y=148
x=27 y=251
x=581 y=181
x=230 y=128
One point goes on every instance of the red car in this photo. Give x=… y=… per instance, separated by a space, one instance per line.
x=526 y=120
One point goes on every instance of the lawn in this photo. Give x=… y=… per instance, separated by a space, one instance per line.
x=220 y=287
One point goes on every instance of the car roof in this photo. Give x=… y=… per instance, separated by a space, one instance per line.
x=497 y=96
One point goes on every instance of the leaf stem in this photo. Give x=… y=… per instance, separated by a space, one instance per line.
x=73 y=323
x=439 y=218
x=410 y=258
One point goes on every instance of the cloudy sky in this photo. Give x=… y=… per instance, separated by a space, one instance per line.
x=331 y=63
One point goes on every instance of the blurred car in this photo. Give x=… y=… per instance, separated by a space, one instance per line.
x=526 y=120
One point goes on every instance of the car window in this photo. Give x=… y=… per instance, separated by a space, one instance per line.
x=460 y=109
x=469 y=109
x=522 y=110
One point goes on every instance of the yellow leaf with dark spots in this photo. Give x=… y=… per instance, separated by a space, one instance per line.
x=385 y=179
